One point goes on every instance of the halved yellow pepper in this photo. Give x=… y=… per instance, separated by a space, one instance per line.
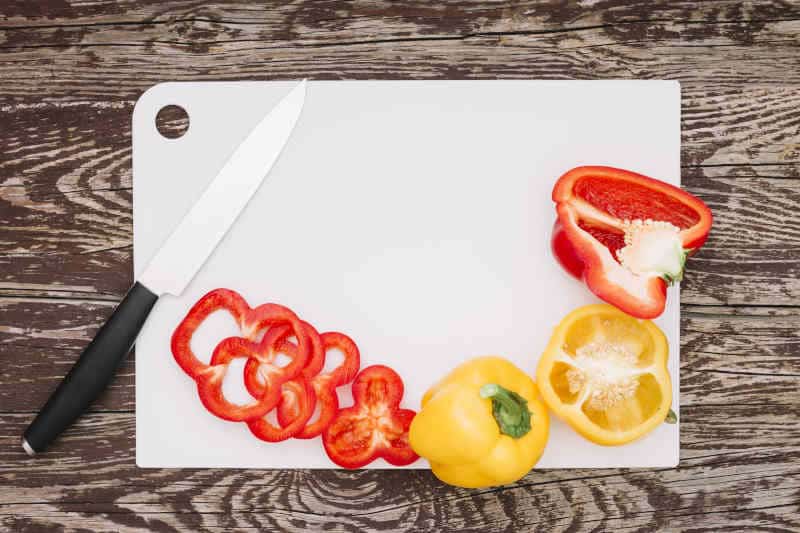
x=605 y=373
x=482 y=425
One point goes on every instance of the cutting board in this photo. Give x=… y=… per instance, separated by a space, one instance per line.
x=414 y=216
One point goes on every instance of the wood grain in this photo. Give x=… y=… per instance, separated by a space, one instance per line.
x=747 y=359
x=71 y=74
x=331 y=40
x=711 y=476
x=752 y=257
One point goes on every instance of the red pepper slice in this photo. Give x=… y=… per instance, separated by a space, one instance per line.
x=374 y=426
x=626 y=235
x=218 y=299
x=297 y=395
x=209 y=377
x=209 y=383
x=325 y=384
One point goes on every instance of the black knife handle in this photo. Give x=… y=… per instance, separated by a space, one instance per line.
x=93 y=371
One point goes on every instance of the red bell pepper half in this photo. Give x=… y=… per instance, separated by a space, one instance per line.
x=209 y=377
x=374 y=426
x=626 y=235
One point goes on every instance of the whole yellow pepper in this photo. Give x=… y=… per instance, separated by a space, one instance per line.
x=482 y=425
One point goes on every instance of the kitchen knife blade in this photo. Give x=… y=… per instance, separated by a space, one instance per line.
x=170 y=270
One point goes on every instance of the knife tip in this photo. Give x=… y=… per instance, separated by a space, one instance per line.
x=301 y=88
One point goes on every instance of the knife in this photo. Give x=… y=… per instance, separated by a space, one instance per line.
x=170 y=270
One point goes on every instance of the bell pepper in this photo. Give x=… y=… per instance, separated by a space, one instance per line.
x=626 y=235
x=209 y=377
x=324 y=385
x=297 y=395
x=605 y=374
x=375 y=426
x=482 y=425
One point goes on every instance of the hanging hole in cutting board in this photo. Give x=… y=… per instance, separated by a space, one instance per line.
x=172 y=121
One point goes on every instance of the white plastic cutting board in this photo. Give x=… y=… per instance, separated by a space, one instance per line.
x=413 y=216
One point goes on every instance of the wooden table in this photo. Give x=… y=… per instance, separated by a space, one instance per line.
x=70 y=76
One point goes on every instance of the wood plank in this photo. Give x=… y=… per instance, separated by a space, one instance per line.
x=104 y=274
x=113 y=52
x=65 y=190
x=753 y=253
x=718 y=480
x=121 y=70
x=453 y=16
x=72 y=72
x=748 y=126
x=739 y=310
x=725 y=358
x=752 y=257
x=79 y=145
x=766 y=342
x=434 y=24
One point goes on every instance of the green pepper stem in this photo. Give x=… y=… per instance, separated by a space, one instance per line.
x=510 y=410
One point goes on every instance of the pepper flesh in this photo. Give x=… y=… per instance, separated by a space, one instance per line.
x=209 y=377
x=605 y=374
x=466 y=440
x=600 y=234
x=375 y=426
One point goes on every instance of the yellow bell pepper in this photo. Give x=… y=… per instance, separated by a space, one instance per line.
x=482 y=425
x=605 y=374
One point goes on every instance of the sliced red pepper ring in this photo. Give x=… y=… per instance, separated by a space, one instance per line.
x=209 y=377
x=278 y=337
x=218 y=299
x=374 y=426
x=627 y=235
x=324 y=385
x=297 y=395
x=250 y=322
x=209 y=383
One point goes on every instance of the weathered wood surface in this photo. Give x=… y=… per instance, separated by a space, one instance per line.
x=71 y=73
